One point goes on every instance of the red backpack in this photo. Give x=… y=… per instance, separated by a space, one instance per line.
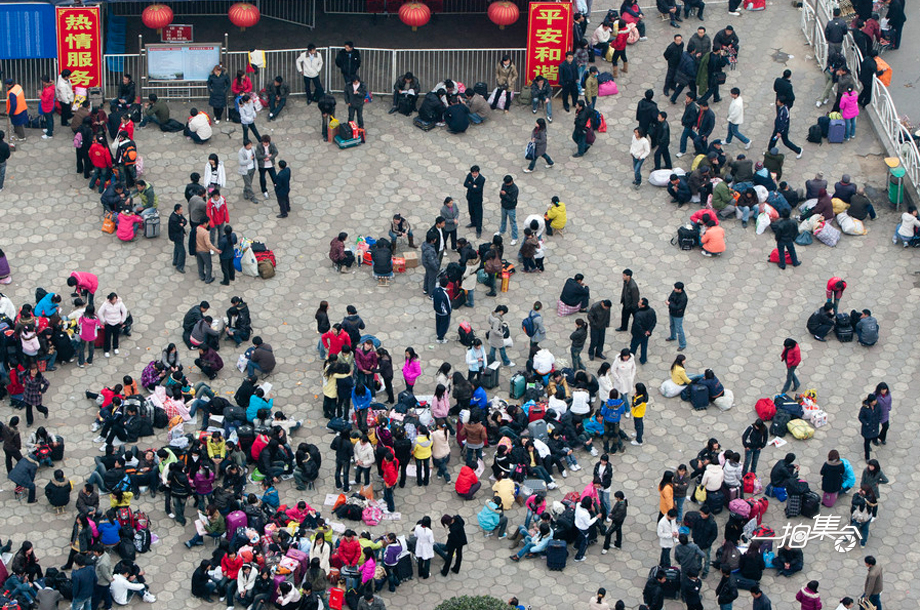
x=765 y=409
x=125 y=517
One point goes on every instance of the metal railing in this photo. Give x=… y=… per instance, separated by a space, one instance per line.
x=28 y=73
x=895 y=136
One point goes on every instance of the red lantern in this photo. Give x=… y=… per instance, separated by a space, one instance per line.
x=414 y=14
x=157 y=16
x=503 y=13
x=243 y=15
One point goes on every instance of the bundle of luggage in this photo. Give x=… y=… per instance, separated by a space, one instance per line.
x=350 y=135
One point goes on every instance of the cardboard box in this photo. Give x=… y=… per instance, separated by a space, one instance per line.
x=411 y=257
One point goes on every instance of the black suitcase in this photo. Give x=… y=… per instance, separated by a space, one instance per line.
x=247 y=436
x=57 y=450
x=793 y=505
x=699 y=396
x=557 y=553
x=404 y=568
x=482 y=89
x=789 y=405
x=811 y=504
x=490 y=378
x=423 y=125
x=715 y=500
x=405 y=105
x=843 y=328
x=672 y=583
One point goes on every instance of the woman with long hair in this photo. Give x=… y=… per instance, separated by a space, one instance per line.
x=665 y=494
x=538 y=139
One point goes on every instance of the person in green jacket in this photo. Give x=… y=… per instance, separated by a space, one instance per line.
x=155 y=111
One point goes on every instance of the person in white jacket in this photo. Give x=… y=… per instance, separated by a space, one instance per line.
x=732 y=470
x=245 y=582
x=624 y=374
x=246 y=157
x=248 y=118
x=63 y=92
x=476 y=360
x=6 y=307
x=667 y=534
x=639 y=147
x=309 y=64
x=713 y=477
x=364 y=460
x=214 y=174
x=113 y=315
x=736 y=118
x=123 y=588
x=198 y=127
x=424 y=546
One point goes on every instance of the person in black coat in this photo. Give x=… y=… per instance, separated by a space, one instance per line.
x=867 y=70
x=869 y=416
x=58 y=491
x=685 y=76
x=653 y=593
x=432 y=108
x=383 y=260
x=783 y=88
x=218 y=88
x=705 y=531
x=754 y=440
x=575 y=293
x=672 y=54
x=202 y=585
x=348 y=61
x=647 y=111
x=705 y=123
x=784 y=472
x=326 y=106
x=283 y=188
x=662 y=138
x=176 y=231
x=474 y=184
x=896 y=20
x=789 y=561
x=821 y=322
x=677 y=304
x=456 y=540
x=644 y=321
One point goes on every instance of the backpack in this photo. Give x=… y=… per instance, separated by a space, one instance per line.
x=125 y=517
x=141 y=520
x=765 y=408
x=142 y=540
x=128 y=153
x=345 y=131
x=78 y=140
x=814 y=134
x=466 y=334
x=686 y=238
x=780 y=421
x=530 y=329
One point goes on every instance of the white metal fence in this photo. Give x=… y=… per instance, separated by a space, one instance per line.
x=896 y=137
x=28 y=73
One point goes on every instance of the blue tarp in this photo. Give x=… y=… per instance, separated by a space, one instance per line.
x=27 y=31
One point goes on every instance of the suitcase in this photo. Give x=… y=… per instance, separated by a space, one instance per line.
x=732 y=493
x=518 y=384
x=793 y=505
x=836 y=131
x=672 y=583
x=57 y=451
x=423 y=125
x=811 y=504
x=755 y=5
x=152 y=226
x=557 y=553
x=350 y=143
x=531 y=486
x=276 y=582
x=537 y=411
x=716 y=501
x=788 y=405
x=699 y=396
x=404 y=568
x=235 y=520
x=490 y=378
x=843 y=328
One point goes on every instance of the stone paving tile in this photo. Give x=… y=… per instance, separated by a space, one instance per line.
x=741 y=308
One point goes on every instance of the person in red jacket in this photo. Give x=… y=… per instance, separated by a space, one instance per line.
x=230 y=565
x=792 y=357
x=349 y=552
x=46 y=108
x=101 y=158
x=835 y=288
x=390 y=469
x=467 y=483
x=334 y=338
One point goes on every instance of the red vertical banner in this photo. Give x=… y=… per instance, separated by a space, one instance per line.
x=79 y=45
x=549 y=37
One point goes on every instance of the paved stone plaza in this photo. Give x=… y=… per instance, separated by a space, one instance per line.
x=741 y=308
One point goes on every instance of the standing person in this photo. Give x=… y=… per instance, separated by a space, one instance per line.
x=12 y=442
x=411 y=370
x=781 y=128
x=247 y=169
x=873 y=587
x=226 y=243
x=883 y=399
x=808 y=596
x=849 y=110
x=754 y=440
x=568 y=80
x=508 y=193
x=309 y=65
x=663 y=142
x=647 y=111
x=495 y=335
x=832 y=475
x=785 y=230
x=176 y=232
x=474 y=184
x=456 y=540
x=113 y=314
x=214 y=175
x=104 y=577
x=283 y=189
x=46 y=106
x=584 y=522
x=326 y=107
x=705 y=123
x=736 y=118
x=580 y=133
x=248 y=117
x=687 y=121
x=639 y=406
x=203 y=250
x=578 y=337
x=442 y=309
x=17 y=109
x=218 y=88
x=5 y=155
x=431 y=263
x=639 y=147
x=624 y=374
x=714 y=62
x=644 y=322
x=218 y=213
x=783 y=87
x=538 y=139
x=792 y=358
x=424 y=546
x=834 y=291
x=672 y=55
x=677 y=305
x=869 y=417
x=726 y=590
x=451 y=215
x=619 y=47
x=599 y=321
x=267 y=153
x=505 y=78
x=761 y=601
x=89 y=327
x=629 y=299
x=63 y=93
x=355 y=93
x=348 y=61
x=667 y=534
x=35 y=385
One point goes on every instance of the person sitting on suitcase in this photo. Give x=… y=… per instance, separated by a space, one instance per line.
x=405 y=94
x=821 y=322
x=713 y=384
x=866 y=327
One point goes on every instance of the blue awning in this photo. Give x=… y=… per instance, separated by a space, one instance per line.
x=27 y=30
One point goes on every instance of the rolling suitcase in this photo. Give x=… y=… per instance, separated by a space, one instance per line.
x=423 y=125
x=152 y=226
x=350 y=143
x=57 y=451
x=672 y=583
x=811 y=504
x=716 y=501
x=490 y=377
x=793 y=505
x=557 y=553
x=843 y=327
x=235 y=520
x=517 y=386
x=836 y=131
x=404 y=568
x=699 y=396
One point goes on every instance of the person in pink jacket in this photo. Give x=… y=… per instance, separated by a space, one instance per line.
x=84 y=285
x=89 y=327
x=849 y=110
x=128 y=222
x=412 y=369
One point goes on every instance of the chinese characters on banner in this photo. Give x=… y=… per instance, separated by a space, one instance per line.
x=549 y=36
x=79 y=45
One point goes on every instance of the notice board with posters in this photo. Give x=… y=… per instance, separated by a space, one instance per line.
x=549 y=36
x=181 y=62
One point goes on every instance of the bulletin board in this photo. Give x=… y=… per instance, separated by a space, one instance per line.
x=181 y=62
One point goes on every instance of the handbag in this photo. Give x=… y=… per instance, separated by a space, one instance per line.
x=861 y=514
x=530 y=151
x=700 y=494
x=108 y=223
x=721 y=78
x=589 y=136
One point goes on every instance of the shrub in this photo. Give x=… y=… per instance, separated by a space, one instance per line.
x=467 y=602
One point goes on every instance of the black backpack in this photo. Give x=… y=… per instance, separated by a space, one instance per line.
x=780 y=421
x=345 y=131
x=40 y=293
x=814 y=134
x=686 y=238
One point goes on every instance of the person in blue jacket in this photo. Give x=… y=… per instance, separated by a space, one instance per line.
x=256 y=402
x=612 y=411
x=480 y=397
x=48 y=306
x=361 y=401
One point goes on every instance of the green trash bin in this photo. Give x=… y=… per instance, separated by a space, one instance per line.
x=896 y=185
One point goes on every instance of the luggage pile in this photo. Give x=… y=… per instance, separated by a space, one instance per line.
x=799 y=416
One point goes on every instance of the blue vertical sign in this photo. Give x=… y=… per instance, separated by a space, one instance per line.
x=27 y=31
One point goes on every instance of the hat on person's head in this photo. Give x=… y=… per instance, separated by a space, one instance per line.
x=8 y=82
x=774 y=151
x=758 y=166
x=719 y=142
x=845 y=178
x=819 y=175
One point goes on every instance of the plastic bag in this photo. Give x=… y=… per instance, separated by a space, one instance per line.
x=669 y=389
x=248 y=264
x=763 y=221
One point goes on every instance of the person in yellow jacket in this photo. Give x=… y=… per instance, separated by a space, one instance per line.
x=16 y=108
x=421 y=451
x=678 y=372
x=639 y=404
x=555 y=216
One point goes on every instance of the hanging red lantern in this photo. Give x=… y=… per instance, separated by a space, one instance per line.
x=243 y=15
x=414 y=14
x=503 y=13
x=157 y=16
